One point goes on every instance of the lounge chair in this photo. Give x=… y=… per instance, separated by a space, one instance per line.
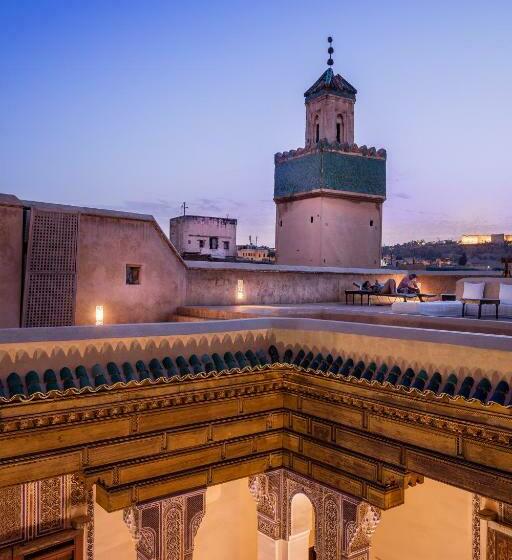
x=368 y=294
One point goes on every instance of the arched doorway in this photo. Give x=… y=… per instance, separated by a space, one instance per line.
x=301 y=543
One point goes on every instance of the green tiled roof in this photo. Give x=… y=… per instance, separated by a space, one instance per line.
x=333 y=84
x=33 y=386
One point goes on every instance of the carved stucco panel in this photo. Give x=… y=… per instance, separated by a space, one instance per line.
x=39 y=508
x=165 y=529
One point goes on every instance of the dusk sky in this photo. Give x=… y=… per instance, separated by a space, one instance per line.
x=141 y=105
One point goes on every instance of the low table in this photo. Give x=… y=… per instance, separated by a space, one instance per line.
x=480 y=302
x=355 y=293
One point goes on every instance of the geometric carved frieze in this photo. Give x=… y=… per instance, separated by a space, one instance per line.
x=475 y=527
x=343 y=524
x=165 y=529
x=331 y=417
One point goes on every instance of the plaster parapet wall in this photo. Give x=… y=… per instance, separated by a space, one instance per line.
x=216 y=283
x=463 y=353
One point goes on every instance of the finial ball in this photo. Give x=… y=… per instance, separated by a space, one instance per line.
x=329 y=39
x=330 y=50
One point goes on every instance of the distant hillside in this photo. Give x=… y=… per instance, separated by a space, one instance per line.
x=447 y=253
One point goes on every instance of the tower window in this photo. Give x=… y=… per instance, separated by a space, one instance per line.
x=317 y=133
x=340 y=128
x=371 y=223
x=280 y=223
x=311 y=219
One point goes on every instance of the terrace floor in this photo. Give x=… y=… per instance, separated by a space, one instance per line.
x=374 y=314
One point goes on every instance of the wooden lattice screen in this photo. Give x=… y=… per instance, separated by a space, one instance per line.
x=50 y=277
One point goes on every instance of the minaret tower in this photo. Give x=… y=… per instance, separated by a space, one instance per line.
x=330 y=108
x=329 y=195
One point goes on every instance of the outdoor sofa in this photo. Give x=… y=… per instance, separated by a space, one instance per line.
x=476 y=297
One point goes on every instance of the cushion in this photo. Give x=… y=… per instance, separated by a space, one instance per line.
x=506 y=310
x=506 y=293
x=473 y=290
x=428 y=308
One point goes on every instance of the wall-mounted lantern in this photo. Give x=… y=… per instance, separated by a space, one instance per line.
x=99 y=315
x=240 y=293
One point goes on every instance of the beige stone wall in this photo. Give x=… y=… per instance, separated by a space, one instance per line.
x=434 y=523
x=11 y=243
x=107 y=245
x=112 y=539
x=344 y=232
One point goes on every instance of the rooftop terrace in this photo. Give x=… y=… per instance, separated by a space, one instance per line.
x=143 y=410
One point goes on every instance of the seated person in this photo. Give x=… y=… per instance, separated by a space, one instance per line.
x=389 y=287
x=408 y=285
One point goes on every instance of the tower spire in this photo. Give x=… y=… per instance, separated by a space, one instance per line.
x=330 y=50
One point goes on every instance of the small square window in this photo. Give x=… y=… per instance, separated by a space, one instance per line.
x=132 y=274
x=201 y=243
x=226 y=245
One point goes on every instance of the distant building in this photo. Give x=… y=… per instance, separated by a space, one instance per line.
x=256 y=253
x=204 y=235
x=481 y=238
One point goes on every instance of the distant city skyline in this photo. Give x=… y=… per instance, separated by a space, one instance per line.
x=144 y=107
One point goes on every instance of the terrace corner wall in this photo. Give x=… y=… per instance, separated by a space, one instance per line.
x=107 y=245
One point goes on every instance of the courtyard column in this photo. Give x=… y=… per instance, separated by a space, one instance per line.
x=165 y=529
x=343 y=525
x=267 y=490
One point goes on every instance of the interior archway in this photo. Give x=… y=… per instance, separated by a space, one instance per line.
x=301 y=541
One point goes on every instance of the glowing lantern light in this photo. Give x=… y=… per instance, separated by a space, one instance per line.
x=240 y=294
x=99 y=315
